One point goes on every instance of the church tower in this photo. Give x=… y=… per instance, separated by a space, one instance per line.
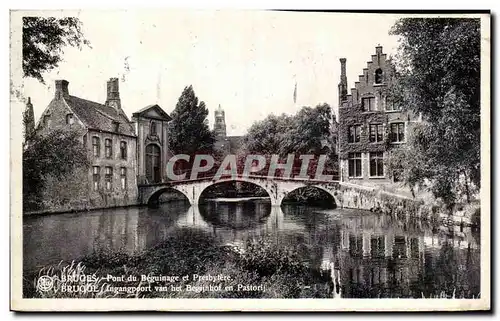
x=220 y=123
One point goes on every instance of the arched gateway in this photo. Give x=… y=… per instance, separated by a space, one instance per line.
x=152 y=144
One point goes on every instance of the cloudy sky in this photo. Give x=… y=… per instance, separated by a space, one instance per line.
x=246 y=61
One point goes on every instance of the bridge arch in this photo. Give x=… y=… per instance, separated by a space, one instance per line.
x=154 y=198
x=268 y=186
x=332 y=193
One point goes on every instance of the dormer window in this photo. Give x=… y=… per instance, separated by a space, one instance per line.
x=116 y=126
x=46 y=120
x=152 y=130
x=379 y=76
x=69 y=119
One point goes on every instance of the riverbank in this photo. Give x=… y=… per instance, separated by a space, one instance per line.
x=393 y=200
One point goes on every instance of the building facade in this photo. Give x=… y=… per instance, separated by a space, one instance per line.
x=152 y=139
x=370 y=124
x=118 y=154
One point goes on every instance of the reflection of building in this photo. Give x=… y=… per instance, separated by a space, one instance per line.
x=378 y=258
x=223 y=143
x=370 y=122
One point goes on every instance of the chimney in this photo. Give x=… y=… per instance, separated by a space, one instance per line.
x=343 y=81
x=113 y=94
x=62 y=89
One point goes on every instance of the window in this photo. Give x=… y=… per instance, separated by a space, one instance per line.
x=116 y=126
x=379 y=77
x=356 y=246
x=96 y=146
x=108 y=149
x=69 y=119
x=391 y=105
x=414 y=248
x=96 y=177
x=376 y=133
x=377 y=164
x=153 y=129
x=377 y=246
x=46 y=121
x=397 y=132
x=123 y=177
x=354 y=133
x=108 y=177
x=399 y=247
x=123 y=150
x=354 y=160
x=368 y=104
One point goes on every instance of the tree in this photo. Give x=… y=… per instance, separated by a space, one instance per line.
x=307 y=132
x=28 y=121
x=44 y=40
x=53 y=155
x=310 y=130
x=438 y=77
x=189 y=132
x=268 y=136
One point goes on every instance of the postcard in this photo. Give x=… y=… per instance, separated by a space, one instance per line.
x=249 y=160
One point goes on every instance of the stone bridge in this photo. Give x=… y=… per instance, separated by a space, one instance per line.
x=345 y=195
x=277 y=188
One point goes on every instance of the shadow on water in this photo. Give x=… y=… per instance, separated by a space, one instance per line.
x=236 y=215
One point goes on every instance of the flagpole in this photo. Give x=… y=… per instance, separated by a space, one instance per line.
x=295 y=93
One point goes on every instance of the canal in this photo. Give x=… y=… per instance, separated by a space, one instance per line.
x=375 y=255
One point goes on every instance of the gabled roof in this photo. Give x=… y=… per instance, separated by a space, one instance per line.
x=100 y=117
x=152 y=111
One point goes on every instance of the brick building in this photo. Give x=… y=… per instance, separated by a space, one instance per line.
x=370 y=125
x=117 y=152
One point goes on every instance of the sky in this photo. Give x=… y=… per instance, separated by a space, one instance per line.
x=246 y=61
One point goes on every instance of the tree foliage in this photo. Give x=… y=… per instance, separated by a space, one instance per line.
x=55 y=155
x=304 y=132
x=439 y=78
x=44 y=40
x=189 y=131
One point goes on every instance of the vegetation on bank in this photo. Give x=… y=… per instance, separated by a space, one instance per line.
x=50 y=158
x=274 y=271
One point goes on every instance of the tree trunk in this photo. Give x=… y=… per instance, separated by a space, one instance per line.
x=467 y=190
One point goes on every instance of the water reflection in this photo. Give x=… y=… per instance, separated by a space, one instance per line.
x=374 y=256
